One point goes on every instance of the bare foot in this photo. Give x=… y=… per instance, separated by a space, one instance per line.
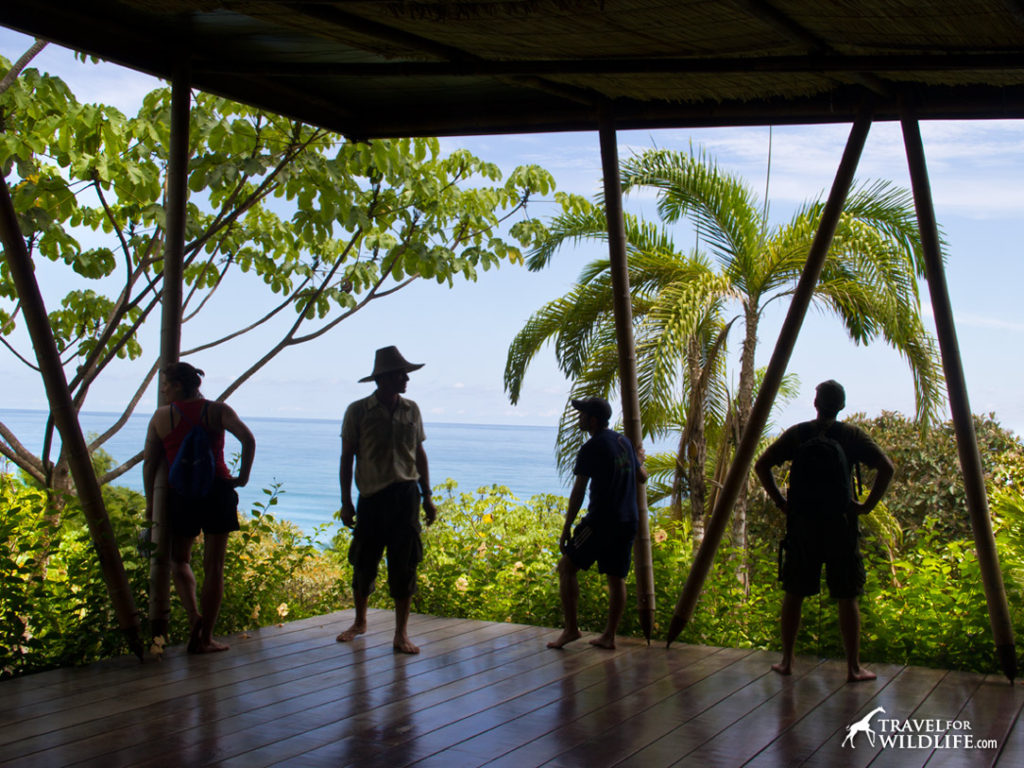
x=567 y=636
x=404 y=645
x=860 y=675
x=782 y=669
x=604 y=642
x=351 y=633
x=212 y=646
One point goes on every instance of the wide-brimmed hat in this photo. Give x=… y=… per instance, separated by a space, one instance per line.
x=594 y=406
x=389 y=360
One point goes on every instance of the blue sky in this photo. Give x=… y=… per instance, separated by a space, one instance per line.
x=462 y=335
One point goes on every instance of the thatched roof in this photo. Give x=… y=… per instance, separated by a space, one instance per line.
x=443 y=67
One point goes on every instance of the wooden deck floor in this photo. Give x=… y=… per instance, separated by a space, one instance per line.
x=491 y=694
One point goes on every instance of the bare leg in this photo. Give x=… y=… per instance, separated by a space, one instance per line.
x=359 y=624
x=215 y=549
x=185 y=585
x=849 y=628
x=791 y=605
x=569 y=591
x=402 y=642
x=616 y=605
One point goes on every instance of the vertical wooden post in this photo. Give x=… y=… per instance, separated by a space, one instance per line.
x=802 y=296
x=66 y=418
x=623 y=311
x=956 y=386
x=170 y=329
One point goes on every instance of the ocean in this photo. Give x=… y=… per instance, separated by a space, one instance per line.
x=302 y=455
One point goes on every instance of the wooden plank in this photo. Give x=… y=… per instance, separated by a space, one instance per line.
x=616 y=684
x=547 y=733
x=936 y=717
x=342 y=704
x=486 y=693
x=424 y=730
x=544 y=733
x=223 y=692
x=703 y=711
x=56 y=684
x=64 y=689
x=904 y=694
x=803 y=738
x=792 y=700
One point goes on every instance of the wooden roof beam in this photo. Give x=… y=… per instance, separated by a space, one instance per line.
x=771 y=15
x=810 y=64
x=331 y=15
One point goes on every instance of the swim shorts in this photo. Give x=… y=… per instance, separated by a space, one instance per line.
x=389 y=519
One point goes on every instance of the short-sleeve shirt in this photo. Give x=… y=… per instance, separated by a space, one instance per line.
x=611 y=464
x=385 y=442
x=855 y=442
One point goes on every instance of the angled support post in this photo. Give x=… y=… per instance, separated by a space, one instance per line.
x=170 y=331
x=802 y=296
x=960 y=407
x=66 y=418
x=623 y=311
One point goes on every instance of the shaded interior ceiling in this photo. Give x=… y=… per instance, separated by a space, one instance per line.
x=434 y=67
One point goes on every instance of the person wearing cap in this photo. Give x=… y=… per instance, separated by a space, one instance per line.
x=215 y=513
x=610 y=465
x=382 y=437
x=802 y=559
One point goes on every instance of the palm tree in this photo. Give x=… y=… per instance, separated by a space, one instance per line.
x=869 y=280
x=677 y=303
x=681 y=301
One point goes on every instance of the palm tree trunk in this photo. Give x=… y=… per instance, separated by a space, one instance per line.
x=73 y=441
x=744 y=403
x=963 y=422
x=627 y=360
x=737 y=477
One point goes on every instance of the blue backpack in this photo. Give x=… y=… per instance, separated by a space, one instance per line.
x=194 y=467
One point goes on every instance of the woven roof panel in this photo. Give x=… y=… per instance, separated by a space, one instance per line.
x=437 y=66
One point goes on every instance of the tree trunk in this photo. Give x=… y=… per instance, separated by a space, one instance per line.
x=744 y=404
x=72 y=439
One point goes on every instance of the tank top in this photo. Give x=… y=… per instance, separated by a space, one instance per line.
x=193 y=410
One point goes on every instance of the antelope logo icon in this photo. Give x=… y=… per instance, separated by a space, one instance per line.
x=862 y=726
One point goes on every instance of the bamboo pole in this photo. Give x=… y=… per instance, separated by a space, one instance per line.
x=62 y=408
x=623 y=312
x=956 y=385
x=802 y=296
x=170 y=331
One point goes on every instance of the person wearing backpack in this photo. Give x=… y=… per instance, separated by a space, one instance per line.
x=821 y=518
x=188 y=434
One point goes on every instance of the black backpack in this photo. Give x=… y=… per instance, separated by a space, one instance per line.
x=820 y=490
x=194 y=467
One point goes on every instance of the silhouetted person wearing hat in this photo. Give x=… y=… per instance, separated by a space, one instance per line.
x=609 y=464
x=821 y=518
x=382 y=436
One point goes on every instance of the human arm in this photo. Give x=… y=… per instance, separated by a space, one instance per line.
x=348 y=457
x=152 y=455
x=763 y=469
x=423 y=468
x=576 y=497
x=884 y=471
x=231 y=423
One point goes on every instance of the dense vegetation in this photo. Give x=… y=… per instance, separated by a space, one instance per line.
x=492 y=557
